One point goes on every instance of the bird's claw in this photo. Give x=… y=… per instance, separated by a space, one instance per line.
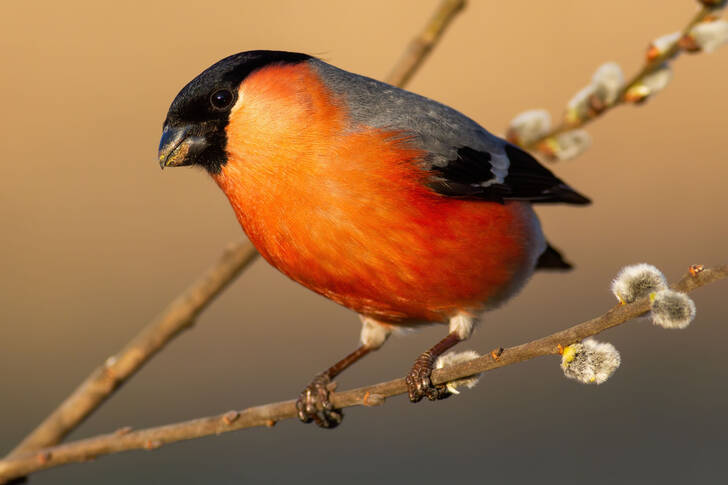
x=313 y=404
x=419 y=384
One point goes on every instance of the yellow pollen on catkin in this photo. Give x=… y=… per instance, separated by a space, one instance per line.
x=569 y=354
x=638 y=92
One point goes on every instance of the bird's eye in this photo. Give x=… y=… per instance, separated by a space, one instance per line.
x=221 y=99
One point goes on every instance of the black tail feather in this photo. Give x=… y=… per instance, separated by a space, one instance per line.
x=551 y=259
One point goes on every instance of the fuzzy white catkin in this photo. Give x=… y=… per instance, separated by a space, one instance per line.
x=637 y=281
x=578 y=106
x=672 y=309
x=710 y=35
x=663 y=43
x=609 y=81
x=605 y=86
x=452 y=358
x=530 y=125
x=571 y=144
x=650 y=85
x=656 y=81
x=590 y=361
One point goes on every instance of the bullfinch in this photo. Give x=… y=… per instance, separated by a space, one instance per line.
x=389 y=203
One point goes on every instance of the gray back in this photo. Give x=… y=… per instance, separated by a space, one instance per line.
x=435 y=128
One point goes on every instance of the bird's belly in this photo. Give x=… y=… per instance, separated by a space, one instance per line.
x=422 y=262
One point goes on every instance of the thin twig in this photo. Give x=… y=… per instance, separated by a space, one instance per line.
x=268 y=414
x=181 y=313
x=650 y=66
x=178 y=316
x=420 y=46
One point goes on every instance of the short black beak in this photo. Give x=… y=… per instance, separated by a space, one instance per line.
x=179 y=147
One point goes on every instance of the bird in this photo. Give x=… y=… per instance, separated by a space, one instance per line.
x=389 y=203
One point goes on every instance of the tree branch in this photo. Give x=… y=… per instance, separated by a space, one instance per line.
x=182 y=312
x=421 y=46
x=650 y=66
x=105 y=379
x=268 y=414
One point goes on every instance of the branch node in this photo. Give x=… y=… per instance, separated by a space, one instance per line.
x=370 y=399
x=230 y=417
x=122 y=431
x=695 y=269
x=152 y=444
x=108 y=371
x=44 y=457
x=496 y=353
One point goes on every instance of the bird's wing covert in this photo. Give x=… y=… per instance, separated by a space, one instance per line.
x=471 y=174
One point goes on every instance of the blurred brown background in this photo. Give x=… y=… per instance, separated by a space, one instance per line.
x=95 y=240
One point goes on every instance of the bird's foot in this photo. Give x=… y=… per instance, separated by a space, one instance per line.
x=313 y=404
x=418 y=381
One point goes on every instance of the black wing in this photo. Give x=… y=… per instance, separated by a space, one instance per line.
x=471 y=175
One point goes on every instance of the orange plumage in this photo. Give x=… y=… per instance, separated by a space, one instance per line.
x=347 y=213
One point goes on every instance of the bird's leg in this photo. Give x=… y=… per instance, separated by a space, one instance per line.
x=418 y=380
x=313 y=403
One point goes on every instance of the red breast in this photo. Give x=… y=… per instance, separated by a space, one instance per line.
x=346 y=212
